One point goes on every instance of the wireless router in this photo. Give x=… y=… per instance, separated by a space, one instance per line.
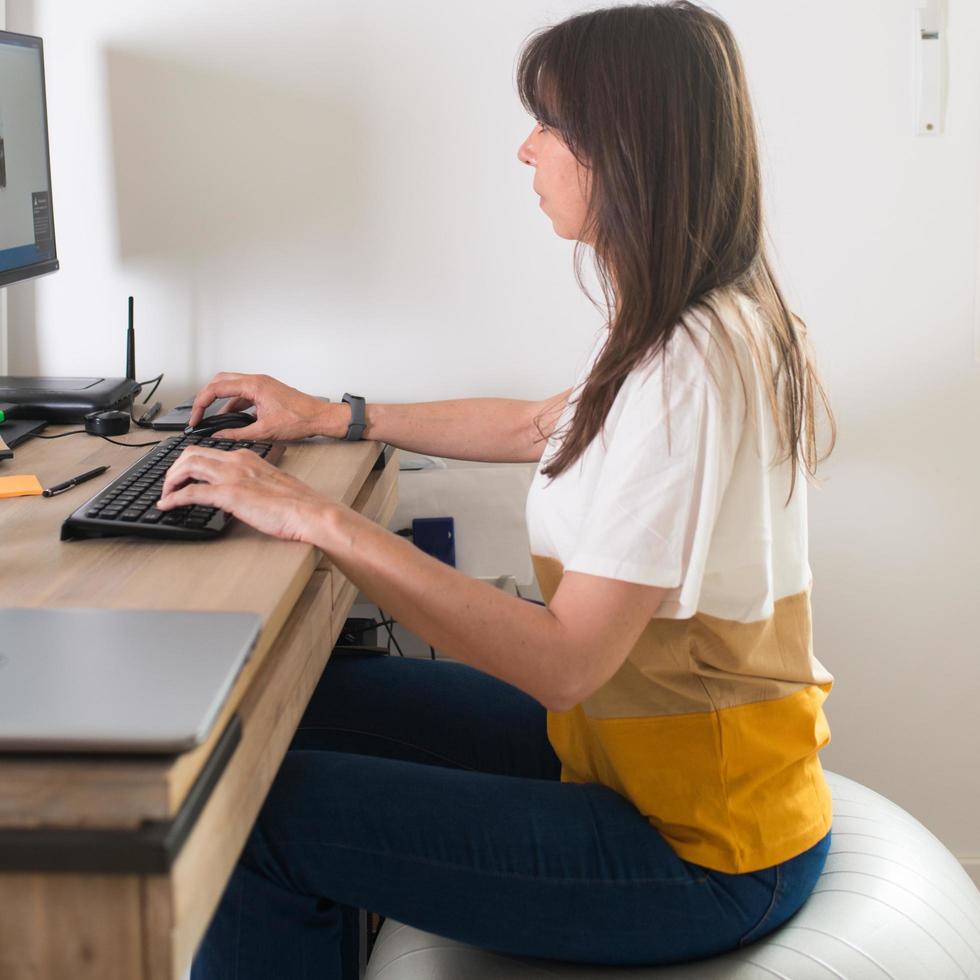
x=71 y=399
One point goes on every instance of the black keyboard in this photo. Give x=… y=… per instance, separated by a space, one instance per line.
x=127 y=506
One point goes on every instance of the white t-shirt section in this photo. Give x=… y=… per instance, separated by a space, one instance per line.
x=701 y=513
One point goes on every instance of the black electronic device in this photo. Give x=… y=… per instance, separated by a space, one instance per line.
x=66 y=399
x=73 y=399
x=26 y=212
x=107 y=423
x=15 y=431
x=358 y=631
x=27 y=240
x=29 y=248
x=359 y=638
x=215 y=423
x=127 y=506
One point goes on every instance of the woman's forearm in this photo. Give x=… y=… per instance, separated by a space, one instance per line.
x=500 y=430
x=469 y=620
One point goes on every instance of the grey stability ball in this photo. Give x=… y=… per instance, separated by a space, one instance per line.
x=892 y=903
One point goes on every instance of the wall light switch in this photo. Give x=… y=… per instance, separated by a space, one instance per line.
x=930 y=66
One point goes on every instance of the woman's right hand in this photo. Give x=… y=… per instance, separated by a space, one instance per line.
x=281 y=412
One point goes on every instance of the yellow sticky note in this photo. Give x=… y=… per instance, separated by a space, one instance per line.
x=20 y=486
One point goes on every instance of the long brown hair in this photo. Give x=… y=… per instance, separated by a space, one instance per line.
x=653 y=102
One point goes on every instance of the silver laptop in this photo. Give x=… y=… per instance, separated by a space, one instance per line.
x=116 y=680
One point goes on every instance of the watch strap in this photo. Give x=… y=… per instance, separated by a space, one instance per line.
x=358 y=419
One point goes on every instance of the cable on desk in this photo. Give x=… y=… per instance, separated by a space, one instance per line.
x=156 y=384
x=82 y=432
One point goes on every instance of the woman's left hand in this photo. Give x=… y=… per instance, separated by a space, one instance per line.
x=245 y=485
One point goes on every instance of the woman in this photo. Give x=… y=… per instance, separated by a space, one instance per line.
x=629 y=774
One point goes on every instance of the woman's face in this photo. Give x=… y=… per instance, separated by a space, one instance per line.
x=559 y=180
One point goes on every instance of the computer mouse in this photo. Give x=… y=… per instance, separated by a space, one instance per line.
x=107 y=423
x=215 y=423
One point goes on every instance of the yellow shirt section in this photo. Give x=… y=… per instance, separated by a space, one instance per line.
x=711 y=729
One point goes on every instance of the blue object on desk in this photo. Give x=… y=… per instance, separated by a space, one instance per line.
x=436 y=536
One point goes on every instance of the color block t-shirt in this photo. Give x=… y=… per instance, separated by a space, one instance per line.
x=712 y=725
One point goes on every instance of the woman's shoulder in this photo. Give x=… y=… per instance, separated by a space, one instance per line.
x=711 y=345
x=724 y=323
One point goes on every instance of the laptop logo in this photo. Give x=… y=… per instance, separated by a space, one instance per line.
x=3 y=660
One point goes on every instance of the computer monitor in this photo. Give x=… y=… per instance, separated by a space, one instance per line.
x=27 y=243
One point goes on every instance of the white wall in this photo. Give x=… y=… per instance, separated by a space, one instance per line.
x=329 y=194
x=328 y=191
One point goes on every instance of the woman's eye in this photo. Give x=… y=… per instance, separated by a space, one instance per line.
x=542 y=128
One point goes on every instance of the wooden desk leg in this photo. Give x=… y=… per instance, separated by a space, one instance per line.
x=61 y=926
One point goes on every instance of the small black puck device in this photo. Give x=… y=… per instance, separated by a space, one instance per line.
x=113 y=423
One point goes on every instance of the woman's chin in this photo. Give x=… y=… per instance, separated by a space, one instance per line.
x=560 y=230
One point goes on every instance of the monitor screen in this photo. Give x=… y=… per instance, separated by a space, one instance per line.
x=27 y=245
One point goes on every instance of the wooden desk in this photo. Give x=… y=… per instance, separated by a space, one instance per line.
x=111 y=867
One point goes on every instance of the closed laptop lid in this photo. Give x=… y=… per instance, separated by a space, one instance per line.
x=116 y=680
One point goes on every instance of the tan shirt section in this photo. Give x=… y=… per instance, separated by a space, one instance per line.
x=705 y=663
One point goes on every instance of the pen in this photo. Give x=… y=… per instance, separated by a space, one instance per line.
x=150 y=414
x=62 y=487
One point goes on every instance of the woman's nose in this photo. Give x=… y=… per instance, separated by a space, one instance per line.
x=525 y=153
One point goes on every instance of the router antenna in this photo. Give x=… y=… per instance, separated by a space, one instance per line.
x=131 y=346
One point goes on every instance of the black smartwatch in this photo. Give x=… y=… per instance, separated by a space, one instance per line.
x=358 y=421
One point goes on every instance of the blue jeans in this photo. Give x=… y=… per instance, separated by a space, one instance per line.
x=427 y=791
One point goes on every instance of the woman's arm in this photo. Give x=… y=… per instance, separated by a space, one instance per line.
x=558 y=654
x=498 y=430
